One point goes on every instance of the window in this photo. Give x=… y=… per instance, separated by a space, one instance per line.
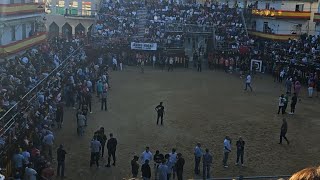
x=267 y=5
x=13 y=33
x=299 y=7
x=24 y=29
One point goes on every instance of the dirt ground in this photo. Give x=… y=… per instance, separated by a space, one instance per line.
x=200 y=107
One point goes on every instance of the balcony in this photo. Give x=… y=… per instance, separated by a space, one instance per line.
x=280 y=14
x=277 y=37
x=316 y=17
x=21 y=45
x=18 y=9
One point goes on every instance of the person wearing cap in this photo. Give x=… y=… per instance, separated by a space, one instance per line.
x=112 y=147
x=61 y=155
x=240 y=150
x=179 y=166
x=135 y=166
x=160 y=112
x=146 y=170
x=197 y=158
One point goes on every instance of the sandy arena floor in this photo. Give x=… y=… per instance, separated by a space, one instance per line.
x=200 y=107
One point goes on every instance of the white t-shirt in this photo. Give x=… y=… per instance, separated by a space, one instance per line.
x=30 y=174
x=146 y=156
x=248 y=79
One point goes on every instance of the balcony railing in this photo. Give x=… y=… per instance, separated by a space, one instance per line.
x=280 y=14
x=18 y=9
x=278 y=37
x=18 y=46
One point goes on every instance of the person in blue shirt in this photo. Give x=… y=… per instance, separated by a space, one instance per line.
x=18 y=161
x=197 y=158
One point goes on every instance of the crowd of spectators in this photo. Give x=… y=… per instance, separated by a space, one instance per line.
x=43 y=68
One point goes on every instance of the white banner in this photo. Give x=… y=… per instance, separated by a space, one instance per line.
x=256 y=64
x=144 y=46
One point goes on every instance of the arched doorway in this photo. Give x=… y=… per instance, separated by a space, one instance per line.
x=79 y=30
x=53 y=30
x=67 y=31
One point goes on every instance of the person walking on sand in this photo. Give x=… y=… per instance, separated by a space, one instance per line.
x=283 y=132
x=207 y=162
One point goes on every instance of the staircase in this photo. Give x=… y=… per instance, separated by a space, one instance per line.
x=142 y=21
x=243 y=21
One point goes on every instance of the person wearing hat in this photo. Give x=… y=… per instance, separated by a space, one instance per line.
x=134 y=166
x=61 y=155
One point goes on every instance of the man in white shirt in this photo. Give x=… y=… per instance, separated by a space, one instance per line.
x=173 y=160
x=154 y=61
x=248 y=82
x=146 y=155
x=30 y=173
x=226 y=150
x=114 y=63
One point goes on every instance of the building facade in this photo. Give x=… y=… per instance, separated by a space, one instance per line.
x=21 y=25
x=70 y=18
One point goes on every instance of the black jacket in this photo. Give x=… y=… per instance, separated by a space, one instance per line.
x=146 y=170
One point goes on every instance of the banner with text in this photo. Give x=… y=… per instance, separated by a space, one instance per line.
x=144 y=46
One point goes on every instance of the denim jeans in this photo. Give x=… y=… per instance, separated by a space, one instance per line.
x=60 y=169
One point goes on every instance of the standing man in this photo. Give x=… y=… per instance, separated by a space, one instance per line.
x=135 y=166
x=146 y=170
x=293 y=103
x=248 y=82
x=281 y=104
x=104 y=100
x=157 y=158
x=154 y=61
x=226 y=150
x=197 y=158
x=240 y=150
x=114 y=63
x=95 y=151
x=284 y=128
x=163 y=171
x=146 y=155
x=102 y=138
x=286 y=97
x=160 y=112
x=173 y=160
x=112 y=147
x=179 y=166
x=199 y=65
x=170 y=64
x=61 y=155
x=207 y=161
x=48 y=144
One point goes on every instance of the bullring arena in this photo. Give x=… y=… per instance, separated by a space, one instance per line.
x=200 y=107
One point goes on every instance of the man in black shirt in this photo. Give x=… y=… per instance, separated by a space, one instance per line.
x=146 y=170
x=112 y=147
x=134 y=166
x=284 y=129
x=240 y=150
x=293 y=103
x=160 y=112
x=61 y=155
x=102 y=138
x=179 y=166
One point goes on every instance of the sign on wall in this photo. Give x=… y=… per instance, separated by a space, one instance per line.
x=256 y=64
x=144 y=46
